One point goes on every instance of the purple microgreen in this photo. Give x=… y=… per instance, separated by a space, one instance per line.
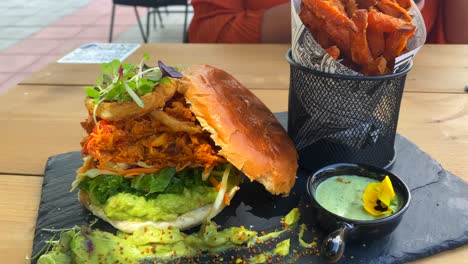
x=89 y=246
x=169 y=71
x=121 y=75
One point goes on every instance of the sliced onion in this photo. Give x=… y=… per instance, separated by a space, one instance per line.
x=220 y=198
x=206 y=173
x=79 y=178
x=174 y=124
x=93 y=173
x=144 y=165
x=121 y=166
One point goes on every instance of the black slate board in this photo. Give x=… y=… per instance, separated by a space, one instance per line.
x=436 y=220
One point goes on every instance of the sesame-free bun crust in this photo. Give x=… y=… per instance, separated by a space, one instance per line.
x=247 y=132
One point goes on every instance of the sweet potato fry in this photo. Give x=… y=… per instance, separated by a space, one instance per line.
x=376 y=67
x=406 y=4
x=393 y=9
x=330 y=13
x=350 y=7
x=376 y=41
x=310 y=19
x=360 y=52
x=340 y=36
x=325 y=32
x=339 y=5
x=366 y=4
x=366 y=35
x=396 y=41
x=385 y=23
x=316 y=26
x=333 y=51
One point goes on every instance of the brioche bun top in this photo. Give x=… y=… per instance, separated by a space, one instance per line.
x=249 y=135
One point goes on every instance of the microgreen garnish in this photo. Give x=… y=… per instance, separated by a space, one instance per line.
x=123 y=82
x=130 y=90
x=169 y=71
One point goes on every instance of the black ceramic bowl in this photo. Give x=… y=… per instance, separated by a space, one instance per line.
x=344 y=229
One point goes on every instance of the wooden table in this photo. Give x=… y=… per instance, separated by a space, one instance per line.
x=40 y=118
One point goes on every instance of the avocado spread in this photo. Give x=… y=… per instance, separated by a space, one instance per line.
x=166 y=207
x=281 y=249
x=160 y=196
x=85 y=245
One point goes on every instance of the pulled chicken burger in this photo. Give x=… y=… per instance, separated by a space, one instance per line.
x=165 y=148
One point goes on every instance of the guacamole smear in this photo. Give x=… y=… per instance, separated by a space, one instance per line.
x=289 y=220
x=292 y=217
x=302 y=243
x=160 y=196
x=281 y=249
x=86 y=245
x=164 y=207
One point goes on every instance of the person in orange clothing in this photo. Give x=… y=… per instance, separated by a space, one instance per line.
x=446 y=20
x=433 y=18
x=246 y=21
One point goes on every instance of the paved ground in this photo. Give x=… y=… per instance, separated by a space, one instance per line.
x=34 y=33
x=22 y=18
x=170 y=32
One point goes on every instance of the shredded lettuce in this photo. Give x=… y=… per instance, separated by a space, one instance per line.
x=167 y=180
x=105 y=186
x=155 y=182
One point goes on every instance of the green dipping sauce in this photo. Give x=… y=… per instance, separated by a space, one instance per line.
x=342 y=195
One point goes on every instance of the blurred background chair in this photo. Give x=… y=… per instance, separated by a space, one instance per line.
x=153 y=10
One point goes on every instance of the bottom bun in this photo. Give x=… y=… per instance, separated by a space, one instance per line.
x=184 y=221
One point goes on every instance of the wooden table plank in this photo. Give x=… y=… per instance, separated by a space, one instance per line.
x=454 y=256
x=436 y=68
x=19 y=201
x=427 y=79
x=442 y=56
x=40 y=121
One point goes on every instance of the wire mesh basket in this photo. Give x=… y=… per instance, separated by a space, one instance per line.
x=335 y=118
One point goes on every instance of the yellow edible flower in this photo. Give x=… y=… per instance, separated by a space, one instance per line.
x=378 y=196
